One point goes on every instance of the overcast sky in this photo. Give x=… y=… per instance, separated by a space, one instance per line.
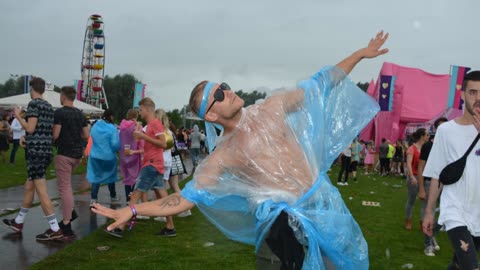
x=250 y=44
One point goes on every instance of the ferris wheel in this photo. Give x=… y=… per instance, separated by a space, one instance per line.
x=93 y=63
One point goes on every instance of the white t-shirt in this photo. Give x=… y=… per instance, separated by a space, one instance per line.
x=459 y=202
x=17 y=129
x=347 y=151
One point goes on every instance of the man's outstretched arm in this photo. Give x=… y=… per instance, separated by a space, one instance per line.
x=373 y=50
x=293 y=99
x=168 y=206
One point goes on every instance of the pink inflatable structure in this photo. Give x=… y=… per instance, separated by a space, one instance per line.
x=419 y=97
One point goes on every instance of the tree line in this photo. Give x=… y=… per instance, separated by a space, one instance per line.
x=120 y=91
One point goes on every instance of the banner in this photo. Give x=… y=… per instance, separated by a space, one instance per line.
x=27 y=84
x=138 y=94
x=385 y=95
x=78 y=87
x=457 y=74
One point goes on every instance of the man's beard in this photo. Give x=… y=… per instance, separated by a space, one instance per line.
x=470 y=108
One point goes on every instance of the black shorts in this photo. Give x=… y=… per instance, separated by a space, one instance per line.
x=37 y=165
x=397 y=159
x=283 y=243
x=353 y=166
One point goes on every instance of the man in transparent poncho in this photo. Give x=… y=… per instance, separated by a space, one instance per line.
x=265 y=183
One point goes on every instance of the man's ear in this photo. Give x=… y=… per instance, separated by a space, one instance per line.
x=211 y=117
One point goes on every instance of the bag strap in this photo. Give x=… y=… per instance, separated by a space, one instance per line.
x=472 y=145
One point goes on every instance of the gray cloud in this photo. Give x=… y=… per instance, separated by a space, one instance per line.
x=250 y=44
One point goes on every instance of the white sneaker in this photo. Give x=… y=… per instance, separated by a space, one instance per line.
x=345 y=184
x=142 y=217
x=185 y=214
x=340 y=183
x=435 y=244
x=160 y=219
x=429 y=251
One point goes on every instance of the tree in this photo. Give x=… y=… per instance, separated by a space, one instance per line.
x=12 y=87
x=363 y=86
x=175 y=117
x=119 y=91
x=251 y=97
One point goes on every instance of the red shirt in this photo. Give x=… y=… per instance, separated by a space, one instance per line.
x=413 y=150
x=153 y=155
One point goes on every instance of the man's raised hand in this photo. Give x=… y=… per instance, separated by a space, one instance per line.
x=374 y=47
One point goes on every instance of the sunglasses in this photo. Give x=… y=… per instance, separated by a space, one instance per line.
x=219 y=95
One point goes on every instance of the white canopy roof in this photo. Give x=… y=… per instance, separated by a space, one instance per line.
x=51 y=96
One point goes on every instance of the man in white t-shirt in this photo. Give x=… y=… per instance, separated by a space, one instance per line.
x=459 y=204
x=17 y=132
x=346 y=159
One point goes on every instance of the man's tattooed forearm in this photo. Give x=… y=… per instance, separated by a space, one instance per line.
x=170 y=201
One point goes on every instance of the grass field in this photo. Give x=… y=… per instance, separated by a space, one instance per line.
x=390 y=245
x=16 y=175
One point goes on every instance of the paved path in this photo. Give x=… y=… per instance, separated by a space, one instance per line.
x=20 y=251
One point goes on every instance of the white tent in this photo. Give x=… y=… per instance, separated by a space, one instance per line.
x=51 y=96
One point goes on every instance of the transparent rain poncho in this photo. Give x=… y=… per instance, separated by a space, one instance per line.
x=277 y=160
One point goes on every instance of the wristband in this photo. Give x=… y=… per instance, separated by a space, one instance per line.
x=134 y=217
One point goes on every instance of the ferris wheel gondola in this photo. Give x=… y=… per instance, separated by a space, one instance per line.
x=93 y=63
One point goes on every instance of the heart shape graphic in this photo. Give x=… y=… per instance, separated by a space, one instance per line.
x=384 y=96
x=459 y=86
x=384 y=85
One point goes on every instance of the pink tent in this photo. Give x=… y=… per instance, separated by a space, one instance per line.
x=418 y=97
x=449 y=113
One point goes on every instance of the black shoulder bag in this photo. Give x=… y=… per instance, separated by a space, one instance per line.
x=454 y=171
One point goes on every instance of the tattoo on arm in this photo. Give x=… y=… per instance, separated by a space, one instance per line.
x=171 y=201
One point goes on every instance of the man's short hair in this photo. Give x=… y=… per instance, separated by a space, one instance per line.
x=68 y=92
x=194 y=102
x=147 y=102
x=439 y=121
x=38 y=84
x=471 y=76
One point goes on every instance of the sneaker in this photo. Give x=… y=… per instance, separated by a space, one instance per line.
x=435 y=244
x=160 y=219
x=429 y=251
x=115 y=232
x=16 y=227
x=50 y=235
x=93 y=201
x=66 y=229
x=167 y=232
x=115 y=200
x=340 y=183
x=345 y=184
x=142 y=217
x=185 y=214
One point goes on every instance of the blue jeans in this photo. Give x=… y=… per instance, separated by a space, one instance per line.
x=16 y=144
x=96 y=187
x=466 y=253
x=149 y=179
x=411 y=197
x=195 y=153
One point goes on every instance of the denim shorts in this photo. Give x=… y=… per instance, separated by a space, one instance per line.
x=148 y=179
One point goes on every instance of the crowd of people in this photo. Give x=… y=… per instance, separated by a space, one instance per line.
x=149 y=157
x=266 y=182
